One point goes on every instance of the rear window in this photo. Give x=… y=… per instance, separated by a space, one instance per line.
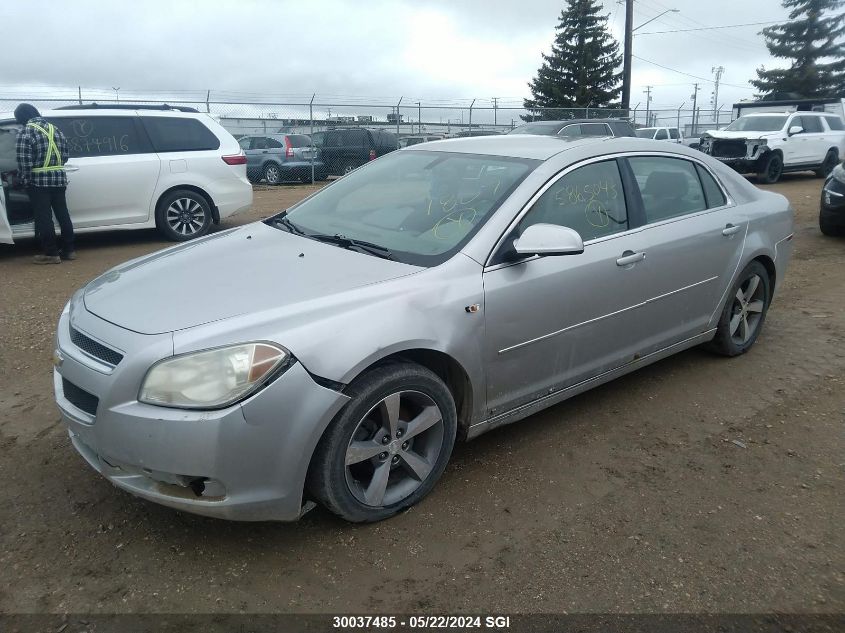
x=102 y=136
x=834 y=123
x=299 y=140
x=172 y=134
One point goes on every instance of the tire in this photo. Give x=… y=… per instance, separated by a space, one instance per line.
x=349 y=167
x=272 y=174
x=730 y=339
x=183 y=215
x=407 y=468
x=830 y=229
x=771 y=170
x=830 y=161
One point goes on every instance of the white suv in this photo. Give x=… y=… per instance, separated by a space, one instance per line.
x=771 y=143
x=135 y=167
x=671 y=134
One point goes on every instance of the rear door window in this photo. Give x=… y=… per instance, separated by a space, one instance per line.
x=354 y=138
x=259 y=142
x=661 y=135
x=595 y=129
x=670 y=187
x=712 y=192
x=175 y=134
x=299 y=140
x=102 y=135
x=673 y=133
x=589 y=200
x=274 y=143
x=834 y=123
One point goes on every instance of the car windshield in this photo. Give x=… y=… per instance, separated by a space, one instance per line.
x=541 y=129
x=757 y=124
x=646 y=132
x=420 y=206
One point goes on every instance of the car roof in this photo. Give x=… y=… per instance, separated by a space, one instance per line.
x=536 y=147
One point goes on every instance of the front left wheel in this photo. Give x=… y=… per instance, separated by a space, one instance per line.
x=388 y=447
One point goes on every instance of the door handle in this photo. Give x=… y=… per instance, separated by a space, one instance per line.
x=264 y=151
x=71 y=167
x=730 y=229
x=630 y=257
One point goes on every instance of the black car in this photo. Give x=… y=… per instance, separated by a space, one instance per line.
x=577 y=127
x=832 y=211
x=344 y=149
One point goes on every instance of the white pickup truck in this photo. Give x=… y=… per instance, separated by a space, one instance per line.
x=771 y=143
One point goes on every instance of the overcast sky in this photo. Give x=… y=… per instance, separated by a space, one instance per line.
x=381 y=49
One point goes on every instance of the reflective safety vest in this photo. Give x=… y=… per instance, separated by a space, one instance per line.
x=52 y=149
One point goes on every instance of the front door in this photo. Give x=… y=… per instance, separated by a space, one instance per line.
x=554 y=321
x=112 y=171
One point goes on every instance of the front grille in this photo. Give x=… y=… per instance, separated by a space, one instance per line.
x=729 y=149
x=95 y=349
x=80 y=398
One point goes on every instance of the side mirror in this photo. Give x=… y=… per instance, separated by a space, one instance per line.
x=795 y=129
x=549 y=239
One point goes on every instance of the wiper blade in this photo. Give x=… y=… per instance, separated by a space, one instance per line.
x=348 y=242
x=290 y=226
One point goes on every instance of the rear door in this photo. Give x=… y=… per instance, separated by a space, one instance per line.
x=253 y=160
x=693 y=239
x=356 y=148
x=112 y=171
x=816 y=138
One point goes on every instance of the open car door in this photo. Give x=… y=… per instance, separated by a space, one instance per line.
x=5 y=229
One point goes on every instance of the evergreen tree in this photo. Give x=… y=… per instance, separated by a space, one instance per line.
x=813 y=34
x=582 y=69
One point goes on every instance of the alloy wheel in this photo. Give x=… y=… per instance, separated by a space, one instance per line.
x=272 y=174
x=394 y=448
x=185 y=216
x=747 y=310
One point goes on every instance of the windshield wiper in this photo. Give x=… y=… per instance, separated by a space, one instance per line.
x=348 y=242
x=290 y=226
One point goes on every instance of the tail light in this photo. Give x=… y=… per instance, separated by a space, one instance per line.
x=235 y=159
x=372 y=154
x=288 y=148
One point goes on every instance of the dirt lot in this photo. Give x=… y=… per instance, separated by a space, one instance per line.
x=696 y=484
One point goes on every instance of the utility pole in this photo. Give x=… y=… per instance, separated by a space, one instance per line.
x=647 y=93
x=495 y=107
x=116 y=93
x=694 y=97
x=628 y=51
x=717 y=70
x=419 y=117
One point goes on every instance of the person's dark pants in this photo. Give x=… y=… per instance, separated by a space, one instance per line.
x=47 y=201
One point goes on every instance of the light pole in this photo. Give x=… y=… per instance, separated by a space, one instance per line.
x=116 y=93
x=628 y=51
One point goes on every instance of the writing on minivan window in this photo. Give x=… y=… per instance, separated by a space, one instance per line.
x=98 y=136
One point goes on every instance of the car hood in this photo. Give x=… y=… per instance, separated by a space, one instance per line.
x=244 y=270
x=747 y=135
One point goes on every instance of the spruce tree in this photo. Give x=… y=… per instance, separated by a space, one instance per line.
x=812 y=39
x=582 y=69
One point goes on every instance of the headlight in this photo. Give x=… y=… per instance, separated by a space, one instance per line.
x=212 y=379
x=838 y=173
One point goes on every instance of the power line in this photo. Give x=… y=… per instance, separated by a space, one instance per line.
x=681 y=72
x=712 y=28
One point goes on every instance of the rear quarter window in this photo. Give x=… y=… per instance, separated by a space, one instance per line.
x=102 y=136
x=173 y=134
x=834 y=123
x=712 y=192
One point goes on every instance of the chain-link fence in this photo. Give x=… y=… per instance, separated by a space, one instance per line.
x=314 y=115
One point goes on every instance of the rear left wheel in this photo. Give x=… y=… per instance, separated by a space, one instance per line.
x=744 y=312
x=388 y=447
x=183 y=215
x=827 y=166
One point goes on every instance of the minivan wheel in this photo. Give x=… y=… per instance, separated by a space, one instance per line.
x=272 y=174
x=388 y=447
x=183 y=215
x=827 y=166
x=348 y=168
x=744 y=312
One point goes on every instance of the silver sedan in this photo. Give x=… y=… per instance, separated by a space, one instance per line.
x=335 y=352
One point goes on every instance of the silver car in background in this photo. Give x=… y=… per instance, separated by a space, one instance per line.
x=335 y=352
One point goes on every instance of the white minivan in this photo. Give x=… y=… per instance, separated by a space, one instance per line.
x=135 y=167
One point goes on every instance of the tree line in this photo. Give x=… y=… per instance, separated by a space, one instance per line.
x=584 y=67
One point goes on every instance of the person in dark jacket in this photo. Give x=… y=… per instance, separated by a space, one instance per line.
x=42 y=151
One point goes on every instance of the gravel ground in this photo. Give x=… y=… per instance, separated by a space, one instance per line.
x=696 y=484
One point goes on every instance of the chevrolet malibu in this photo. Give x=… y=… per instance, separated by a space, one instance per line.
x=335 y=352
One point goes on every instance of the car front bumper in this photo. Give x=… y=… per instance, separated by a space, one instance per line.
x=246 y=462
